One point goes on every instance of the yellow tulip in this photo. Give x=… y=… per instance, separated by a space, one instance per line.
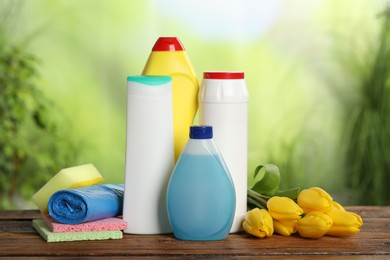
x=285 y=227
x=315 y=224
x=337 y=206
x=258 y=222
x=315 y=199
x=283 y=208
x=345 y=223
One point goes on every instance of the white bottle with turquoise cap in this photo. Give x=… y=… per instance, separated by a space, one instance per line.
x=149 y=154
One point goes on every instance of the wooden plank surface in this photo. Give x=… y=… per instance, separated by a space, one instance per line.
x=19 y=239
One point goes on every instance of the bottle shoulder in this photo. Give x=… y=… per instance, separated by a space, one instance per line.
x=200 y=147
x=172 y=63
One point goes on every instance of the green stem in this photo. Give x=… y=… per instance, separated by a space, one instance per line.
x=252 y=203
x=257 y=199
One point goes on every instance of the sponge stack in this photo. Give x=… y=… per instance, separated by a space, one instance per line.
x=80 y=207
x=50 y=236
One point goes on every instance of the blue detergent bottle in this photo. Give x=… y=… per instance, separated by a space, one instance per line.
x=200 y=194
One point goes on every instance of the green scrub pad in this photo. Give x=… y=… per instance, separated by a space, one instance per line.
x=49 y=236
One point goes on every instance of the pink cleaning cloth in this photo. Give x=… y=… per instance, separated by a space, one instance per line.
x=107 y=224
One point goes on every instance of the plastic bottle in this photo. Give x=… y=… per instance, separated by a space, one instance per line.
x=149 y=154
x=200 y=193
x=168 y=57
x=223 y=103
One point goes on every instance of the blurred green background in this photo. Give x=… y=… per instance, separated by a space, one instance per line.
x=317 y=74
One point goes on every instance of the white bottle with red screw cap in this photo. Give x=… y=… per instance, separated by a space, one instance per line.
x=223 y=104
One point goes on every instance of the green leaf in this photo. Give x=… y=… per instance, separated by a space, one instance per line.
x=290 y=193
x=267 y=179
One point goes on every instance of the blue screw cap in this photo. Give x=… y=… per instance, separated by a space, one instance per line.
x=201 y=132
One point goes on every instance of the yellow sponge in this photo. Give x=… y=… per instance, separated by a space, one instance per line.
x=68 y=178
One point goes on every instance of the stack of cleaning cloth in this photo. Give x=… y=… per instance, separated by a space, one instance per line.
x=88 y=212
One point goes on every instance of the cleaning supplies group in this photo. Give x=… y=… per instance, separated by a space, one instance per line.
x=75 y=206
x=173 y=183
x=194 y=187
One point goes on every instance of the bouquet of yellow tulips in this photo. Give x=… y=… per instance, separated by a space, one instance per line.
x=311 y=212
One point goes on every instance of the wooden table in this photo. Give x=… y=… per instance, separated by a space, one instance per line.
x=19 y=239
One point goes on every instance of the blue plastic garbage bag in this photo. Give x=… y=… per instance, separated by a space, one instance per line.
x=86 y=204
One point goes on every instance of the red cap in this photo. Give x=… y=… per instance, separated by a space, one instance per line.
x=223 y=75
x=168 y=44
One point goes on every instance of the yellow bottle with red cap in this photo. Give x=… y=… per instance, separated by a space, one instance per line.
x=168 y=57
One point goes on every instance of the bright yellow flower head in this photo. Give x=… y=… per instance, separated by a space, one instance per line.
x=315 y=199
x=283 y=208
x=285 y=227
x=315 y=224
x=258 y=222
x=345 y=223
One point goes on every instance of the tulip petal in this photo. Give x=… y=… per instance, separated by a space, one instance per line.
x=315 y=199
x=345 y=223
x=283 y=208
x=258 y=222
x=285 y=228
x=338 y=206
x=342 y=231
x=253 y=231
x=314 y=225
